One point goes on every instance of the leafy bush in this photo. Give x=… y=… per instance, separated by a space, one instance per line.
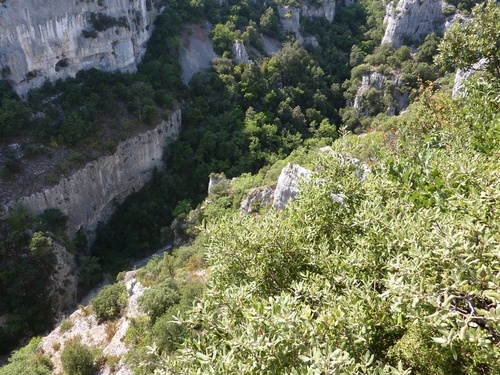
x=78 y=359
x=156 y=300
x=27 y=360
x=102 y=22
x=110 y=302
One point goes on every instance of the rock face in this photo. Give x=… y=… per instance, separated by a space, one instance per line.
x=257 y=198
x=412 y=20
x=217 y=179
x=197 y=50
x=107 y=336
x=90 y=194
x=64 y=278
x=288 y=184
x=54 y=39
x=462 y=75
x=290 y=17
x=240 y=53
x=326 y=9
x=400 y=98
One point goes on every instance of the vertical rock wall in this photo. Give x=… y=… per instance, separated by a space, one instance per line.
x=412 y=20
x=290 y=16
x=90 y=194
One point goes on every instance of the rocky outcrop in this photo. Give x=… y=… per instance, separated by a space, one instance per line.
x=462 y=75
x=240 y=53
x=42 y=40
x=108 y=336
x=388 y=87
x=288 y=184
x=64 y=281
x=257 y=199
x=290 y=17
x=326 y=9
x=197 y=50
x=217 y=179
x=91 y=194
x=412 y=20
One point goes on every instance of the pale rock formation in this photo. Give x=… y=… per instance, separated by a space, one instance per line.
x=91 y=194
x=290 y=17
x=326 y=10
x=108 y=336
x=240 y=53
x=257 y=199
x=42 y=40
x=462 y=75
x=197 y=50
x=379 y=81
x=412 y=20
x=216 y=179
x=271 y=46
x=288 y=184
x=64 y=278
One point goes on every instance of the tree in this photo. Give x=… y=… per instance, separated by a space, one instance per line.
x=465 y=44
x=159 y=298
x=223 y=37
x=269 y=23
x=14 y=116
x=40 y=244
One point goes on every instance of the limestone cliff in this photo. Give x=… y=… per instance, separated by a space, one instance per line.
x=412 y=20
x=390 y=88
x=240 y=53
x=459 y=89
x=90 y=194
x=290 y=16
x=197 y=50
x=83 y=325
x=54 y=39
x=63 y=283
x=288 y=184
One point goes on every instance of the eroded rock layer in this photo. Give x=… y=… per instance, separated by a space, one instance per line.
x=90 y=194
x=55 y=39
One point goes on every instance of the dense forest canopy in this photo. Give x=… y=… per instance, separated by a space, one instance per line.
x=399 y=275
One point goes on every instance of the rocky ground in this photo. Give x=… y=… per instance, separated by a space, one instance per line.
x=109 y=336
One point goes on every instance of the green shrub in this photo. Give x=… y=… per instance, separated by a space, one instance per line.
x=159 y=298
x=78 y=359
x=65 y=325
x=110 y=302
x=27 y=361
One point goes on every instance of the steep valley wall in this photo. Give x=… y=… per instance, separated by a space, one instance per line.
x=90 y=194
x=54 y=39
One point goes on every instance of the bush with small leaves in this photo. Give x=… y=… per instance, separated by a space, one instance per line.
x=78 y=359
x=111 y=302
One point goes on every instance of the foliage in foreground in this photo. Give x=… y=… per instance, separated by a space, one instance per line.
x=27 y=361
x=401 y=276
